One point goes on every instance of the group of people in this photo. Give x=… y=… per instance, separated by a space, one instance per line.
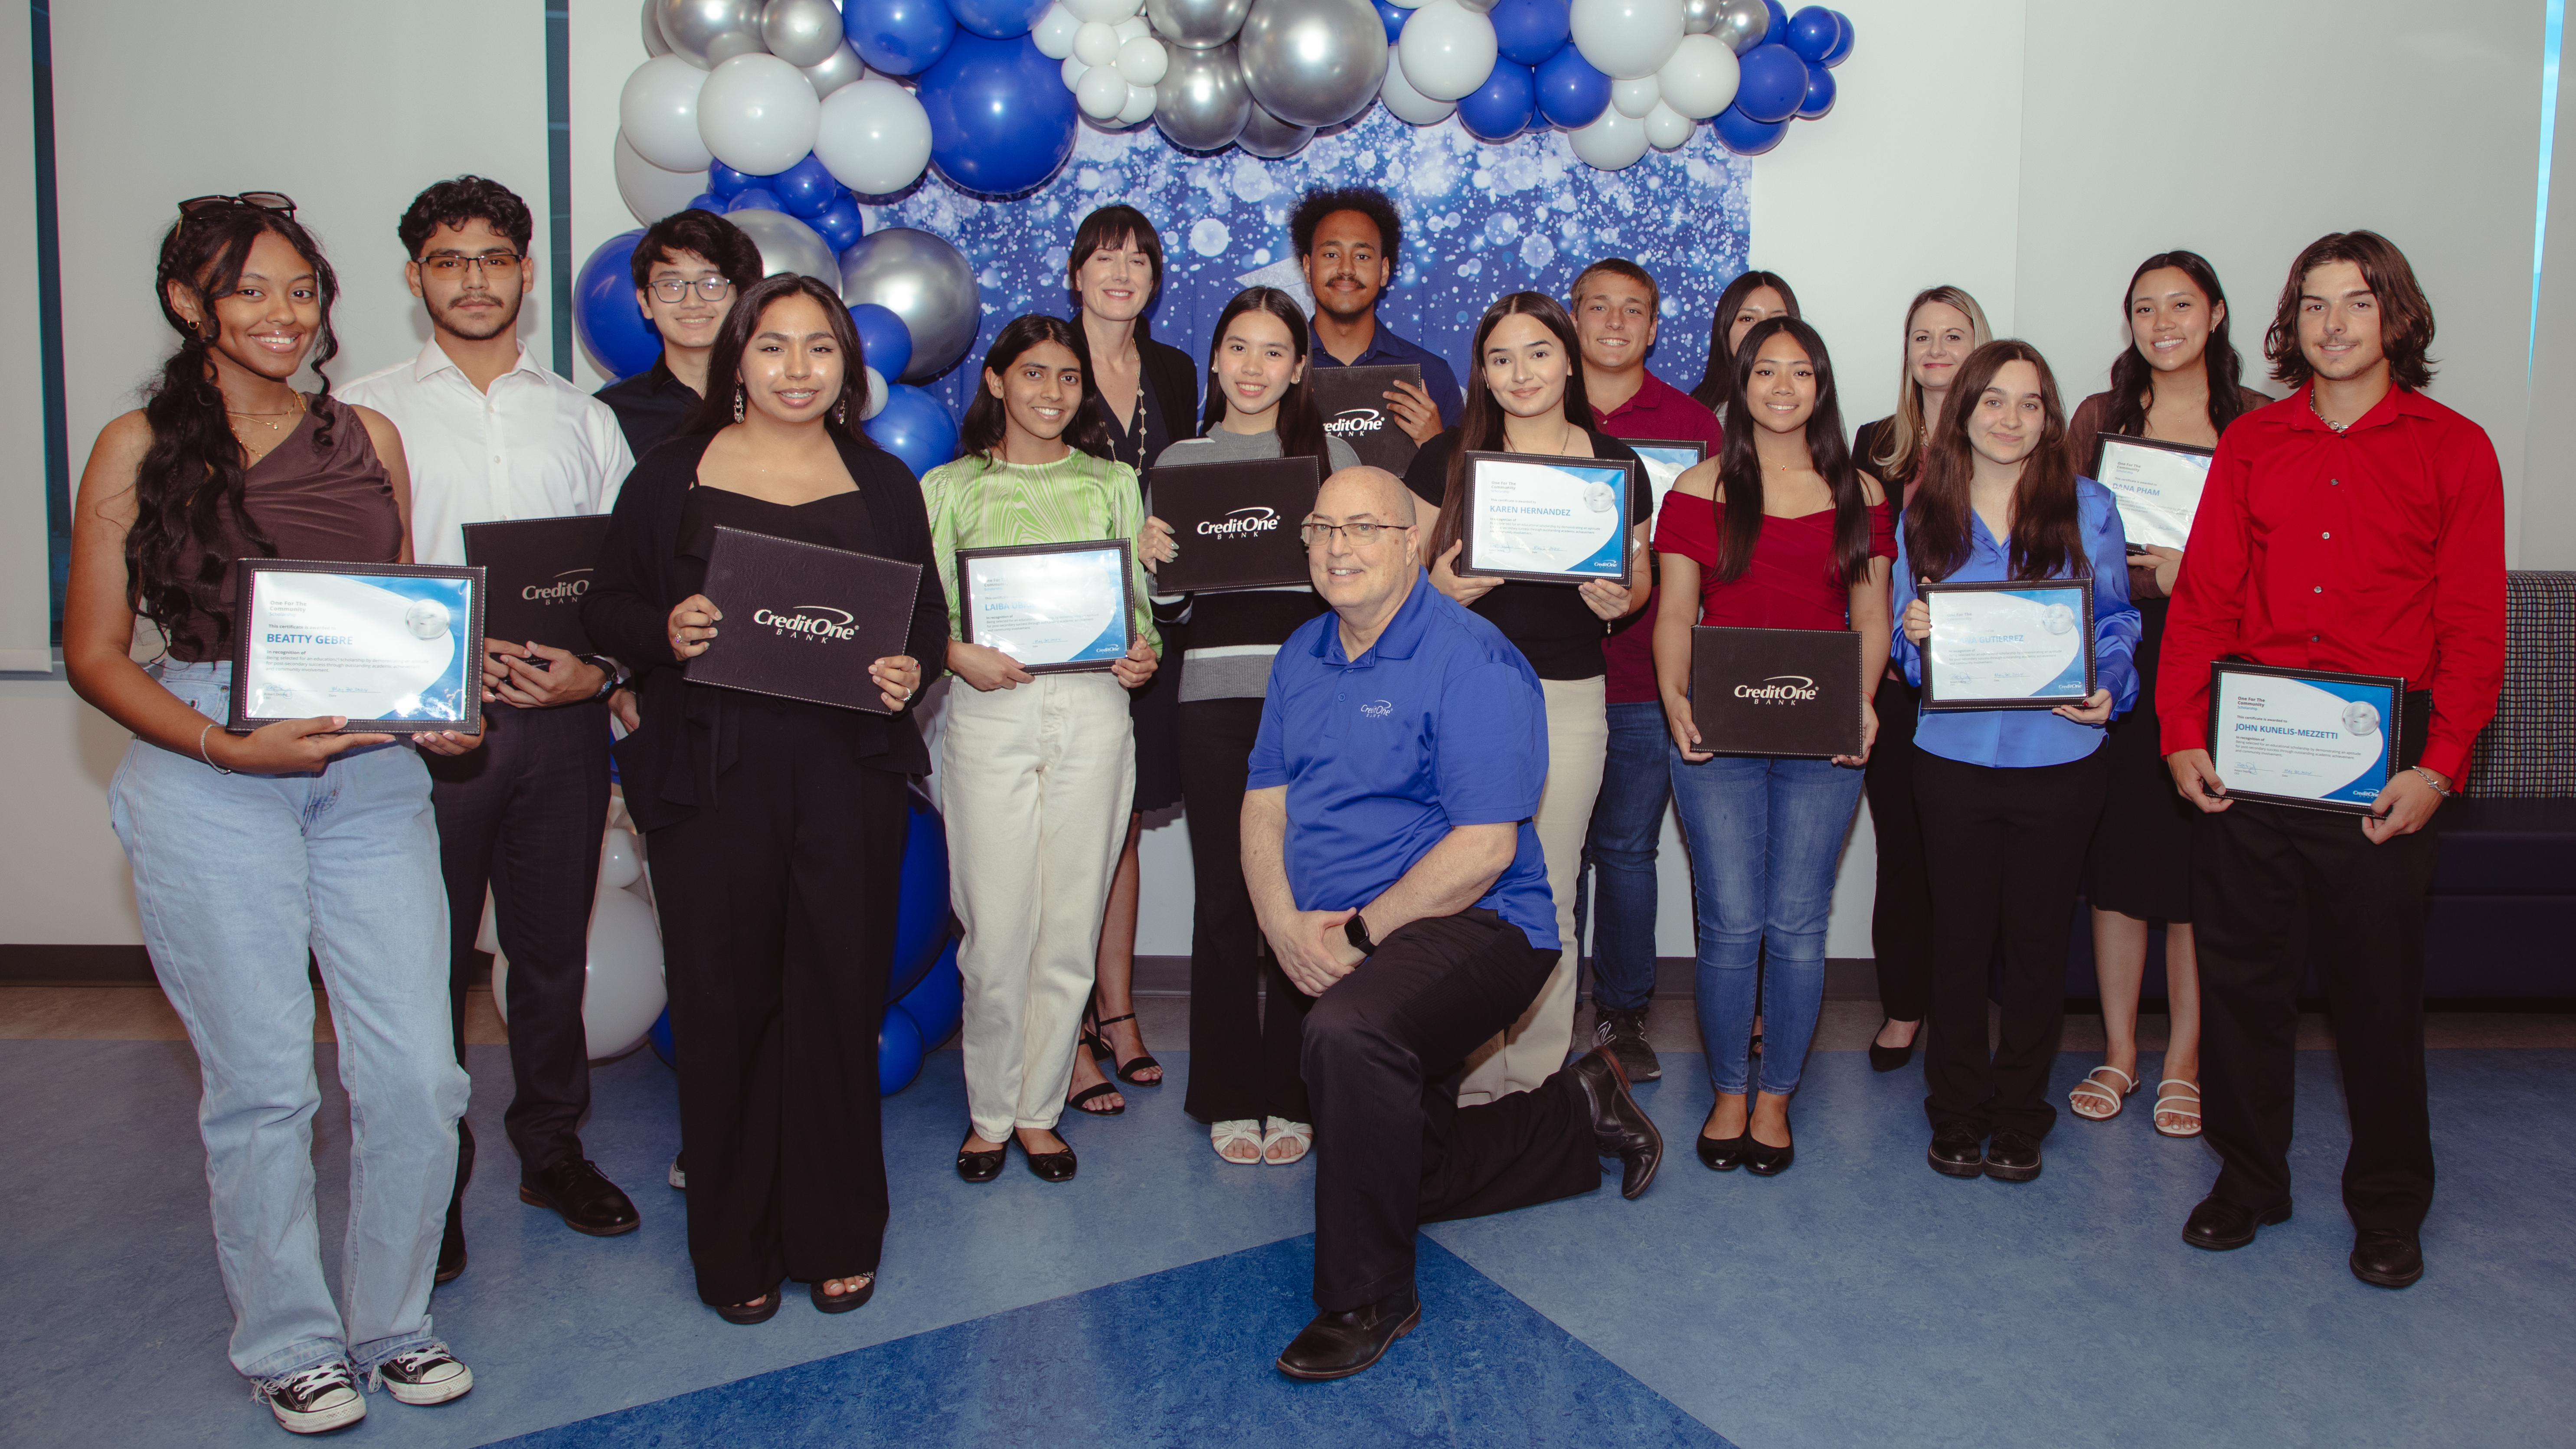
x=1412 y=792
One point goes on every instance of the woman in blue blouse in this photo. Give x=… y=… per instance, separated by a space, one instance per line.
x=2008 y=798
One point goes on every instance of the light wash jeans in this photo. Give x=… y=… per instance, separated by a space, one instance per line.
x=236 y=876
x=1765 y=837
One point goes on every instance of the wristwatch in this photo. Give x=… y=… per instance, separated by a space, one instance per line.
x=2434 y=780
x=615 y=672
x=1355 y=930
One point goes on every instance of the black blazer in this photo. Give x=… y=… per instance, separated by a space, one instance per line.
x=670 y=763
x=1170 y=376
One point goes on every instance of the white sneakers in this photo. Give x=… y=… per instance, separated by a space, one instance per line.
x=326 y=1396
x=428 y=1374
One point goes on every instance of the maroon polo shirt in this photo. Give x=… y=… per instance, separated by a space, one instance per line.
x=1659 y=410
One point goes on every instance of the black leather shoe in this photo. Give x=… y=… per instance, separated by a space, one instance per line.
x=2012 y=1156
x=1338 y=1345
x=980 y=1166
x=2384 y=1259
x=2219 y=1225
x=1722 y=1154
x=1957 y=1151
x=588 y=1201
x=1763 y=1160
x=1888 y=1058
x=1050 y=1166
x=1620 y=1128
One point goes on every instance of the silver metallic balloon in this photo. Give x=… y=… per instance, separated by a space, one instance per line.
x=925 y=281
x=654 y=44
x=1201 y=102
x=1313 y=62
x=841 y=68
x=1268 y=136
x=1197 y=24
x=1740 y=23
x=801 y=32
x=787 y=245
x=709 y=32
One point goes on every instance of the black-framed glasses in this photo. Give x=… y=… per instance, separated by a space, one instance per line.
x=1359 y=534
x=277 y=201
x=672 y=289
x=447 y=266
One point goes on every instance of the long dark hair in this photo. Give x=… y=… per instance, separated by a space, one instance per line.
x=1714 y=376
x=724 y=359
x=981 y=431
x=192 y=478
x=2046 y=534
x=1299 y=422
x=1739 y=467
x=2406 y=316
x=2133 y=381
x=1481 y=429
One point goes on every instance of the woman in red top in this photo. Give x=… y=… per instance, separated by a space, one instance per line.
x=1779 y=531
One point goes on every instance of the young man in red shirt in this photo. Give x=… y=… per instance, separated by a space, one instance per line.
x=2355 y=526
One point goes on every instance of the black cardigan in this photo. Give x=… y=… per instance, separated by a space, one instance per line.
x=669 y=765
x=1168 y=373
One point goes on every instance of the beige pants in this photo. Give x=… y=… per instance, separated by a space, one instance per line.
x=1038 y=781
x=1534 y=1047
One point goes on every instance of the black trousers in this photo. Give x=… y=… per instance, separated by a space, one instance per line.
x=1900 y=922
x=778 y=916
x=1393 y=1149
x=1243 y=1060
x=523 y=815
x=2263 y=877
x=2006 y=851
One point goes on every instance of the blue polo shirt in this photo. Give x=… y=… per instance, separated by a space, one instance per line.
x=1385 y=349
x=1438 y=724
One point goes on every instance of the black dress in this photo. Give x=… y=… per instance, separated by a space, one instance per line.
x=1900 y=924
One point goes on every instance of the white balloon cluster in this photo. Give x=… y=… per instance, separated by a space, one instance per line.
x=1112 y=61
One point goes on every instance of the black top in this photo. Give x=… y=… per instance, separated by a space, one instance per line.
x=655 y=556
x=1549 y=623
x=1168 y=400
x=650 y=406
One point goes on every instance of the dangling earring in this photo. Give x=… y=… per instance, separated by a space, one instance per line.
x=841 y=409
x=737 y=402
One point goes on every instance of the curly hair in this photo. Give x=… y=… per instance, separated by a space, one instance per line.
x=466 y=198
x=1368 y=201
x=2406 y=318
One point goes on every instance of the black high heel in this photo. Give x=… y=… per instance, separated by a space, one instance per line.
x=1723 y=1154
x=1097 y=1036
x=1888 y=1058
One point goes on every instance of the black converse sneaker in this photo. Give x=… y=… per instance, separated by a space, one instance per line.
x=311 y=1401
x=428 y=1374
x=1623 y=1035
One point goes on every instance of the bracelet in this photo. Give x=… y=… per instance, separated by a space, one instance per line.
x=201 y=751
x=2433 y=780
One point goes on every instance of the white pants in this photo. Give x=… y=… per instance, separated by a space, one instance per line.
x=1038 y=780
x=1533 y=1048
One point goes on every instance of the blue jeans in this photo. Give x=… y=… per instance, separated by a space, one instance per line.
x=1619 y=858
x=1765 y=838
x=236 y=877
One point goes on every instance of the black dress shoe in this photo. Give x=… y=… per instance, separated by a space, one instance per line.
x=980 y=1166
x=1620 y=1128
x=2384 y=1259
x=1050 y=1166
x=1338 y=1345
x=2219 y=1225
x=451 y=1247
x=587 y=1200
x=1764 y=1160
x=2012 y=1155
x=1722 y=1154
x=1957 y=1151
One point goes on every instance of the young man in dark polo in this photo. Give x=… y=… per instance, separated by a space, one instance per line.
x=1346 y=240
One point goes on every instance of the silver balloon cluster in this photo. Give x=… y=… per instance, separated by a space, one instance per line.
x=926 y=282
x=806 y=34
x=1742 y=24
x=1311 y=63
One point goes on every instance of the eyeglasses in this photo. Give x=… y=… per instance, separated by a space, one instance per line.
x=447 y=266
x=277 y=201
x=672 y=289
x=1358 y=534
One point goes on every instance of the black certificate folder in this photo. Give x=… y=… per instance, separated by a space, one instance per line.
x=1236 y=523
x=538 y=569
x=1782 y=693
x=802 y=621
x=1353 y=400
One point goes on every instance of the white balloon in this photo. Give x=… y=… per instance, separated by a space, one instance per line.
x=1407 y=104
x=1143 y=60
x=1667 y=128
x=1055 y=31
x=622 y=987
x=1102 y=93
x=657 y=113
x=1096 y=44
x=1699 y=81
x=487 y=938
x=1635 y=97
x=1448 y=49
x=1612 y=142
x=1132 y=28
x=1140 y=105
x=876 y=394
x=1408 y=4
x=873 y=137
x=1625 y=39
x=1102 y=12
x=1073 y=70
x=650 y=192
x=757 y=114
x=619 y=860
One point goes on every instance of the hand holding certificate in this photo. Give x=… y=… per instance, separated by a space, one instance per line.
x=393 y=648
x=1548 y=519
x=2015 y=645
x=2311 y=738
x=2157 y=485
x=1050 y=608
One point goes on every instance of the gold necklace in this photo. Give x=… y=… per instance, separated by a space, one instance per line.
x=294 y=412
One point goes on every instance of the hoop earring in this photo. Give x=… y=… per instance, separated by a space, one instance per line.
x=737 y=402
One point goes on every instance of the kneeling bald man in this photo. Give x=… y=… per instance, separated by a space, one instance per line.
x=1388 y=846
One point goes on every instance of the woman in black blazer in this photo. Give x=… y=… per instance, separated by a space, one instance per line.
x=775 y=827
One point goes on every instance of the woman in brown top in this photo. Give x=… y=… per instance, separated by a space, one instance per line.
x=2176 y=381
x=249 y=851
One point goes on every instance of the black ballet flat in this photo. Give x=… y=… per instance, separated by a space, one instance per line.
x=1723 y=1154
x=844 y=1302
x=750 y=1313
x=1763 y=1160
x=981 y=1166
x=1888 y=1058
x=1049 y=1166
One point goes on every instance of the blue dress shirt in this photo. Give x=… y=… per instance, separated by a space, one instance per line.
x=1385 y=349
x=1439 y=723
x=2018 y=738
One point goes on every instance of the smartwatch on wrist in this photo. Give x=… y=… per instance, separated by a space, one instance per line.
x=1355 y=930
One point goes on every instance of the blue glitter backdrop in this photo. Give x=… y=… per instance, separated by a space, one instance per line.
x=1480 y=220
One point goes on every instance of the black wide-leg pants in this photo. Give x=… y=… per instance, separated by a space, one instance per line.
x=1393 y=1150
x=2263 y=878
x=1243 y=1058
x=778 y=917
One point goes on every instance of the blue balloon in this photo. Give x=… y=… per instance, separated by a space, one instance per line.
x=1570 y=92
x=938 y=1003
x=805 y=188
x=1001 y=120
x=1813 y=33
x=660 y=1036
x=757 y=197
x=1745 y=136
x=921 y=900
x=1773 y=83
x=838 y=224
x=706 y=201
x=898 y=1052
x=914 y=427
x=723 y=180
x=1529 y=31
x=1842 y=48
x=604 y=311
x=1392 y=17
x=997 y=19
x=1820 y=93
x=1778 y=29
x=901 y=37
x=1503 y=106
x=885 y=343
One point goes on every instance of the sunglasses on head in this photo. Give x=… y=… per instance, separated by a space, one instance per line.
x=277 y=201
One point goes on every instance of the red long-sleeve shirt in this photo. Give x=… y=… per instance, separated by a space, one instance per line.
x=2377 y=550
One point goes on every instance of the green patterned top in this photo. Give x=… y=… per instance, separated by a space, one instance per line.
x=978 y=501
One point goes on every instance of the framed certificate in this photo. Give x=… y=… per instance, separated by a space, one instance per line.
x=1666 y=460
x=538 y=569
x=802 y=621
x=1551 y=520
x=2025 y=645
x=1353 y=400
x=1782 y=693
x=2157 y=485
x=1236 y=523
x=397 y=648
x=2305 y=737
x=1053 y=607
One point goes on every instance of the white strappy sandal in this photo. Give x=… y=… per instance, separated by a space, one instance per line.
x=2190 y=1107
x=1225 y=1134
x=1299 y=1136
x=2094 y=1101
